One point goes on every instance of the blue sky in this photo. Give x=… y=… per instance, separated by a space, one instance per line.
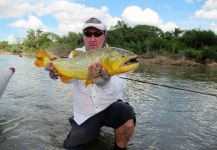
x=62 y=16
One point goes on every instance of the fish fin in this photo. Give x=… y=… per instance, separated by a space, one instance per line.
x=39 y=63
x=65 y=79
x=42 y=58
x=88 y=82
x=42 y=54
x=75 y=53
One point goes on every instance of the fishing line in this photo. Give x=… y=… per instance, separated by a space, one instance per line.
x=171 y=87
x=149 y=94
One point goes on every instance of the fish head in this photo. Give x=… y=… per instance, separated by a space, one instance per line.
x=120 y=61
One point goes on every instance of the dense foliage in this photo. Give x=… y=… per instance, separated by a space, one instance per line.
x=147 y=41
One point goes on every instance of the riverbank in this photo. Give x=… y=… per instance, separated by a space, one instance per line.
x=20 y=54
x=4 y=52
x=158 y=60
x=164 y=60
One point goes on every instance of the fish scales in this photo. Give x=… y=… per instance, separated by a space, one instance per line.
x=113 y=60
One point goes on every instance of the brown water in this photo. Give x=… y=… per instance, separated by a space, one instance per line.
x=34 y=109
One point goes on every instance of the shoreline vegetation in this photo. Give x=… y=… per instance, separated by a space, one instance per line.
x=179 y=47
x=156 y=60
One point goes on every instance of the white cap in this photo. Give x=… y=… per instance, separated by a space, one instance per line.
x=95 y=23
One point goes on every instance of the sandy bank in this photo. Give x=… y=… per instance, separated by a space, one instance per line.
x=163 y=60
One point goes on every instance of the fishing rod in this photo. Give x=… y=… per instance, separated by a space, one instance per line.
x=171 y=87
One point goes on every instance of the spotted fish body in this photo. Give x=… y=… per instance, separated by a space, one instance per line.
x=77 y=67
x=114 y=60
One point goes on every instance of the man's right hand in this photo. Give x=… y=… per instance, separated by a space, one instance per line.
x=50 y=67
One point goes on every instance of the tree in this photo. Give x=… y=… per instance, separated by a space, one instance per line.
x=198 y=39
x=30 y=41
x=64 y=45
x=4 y=44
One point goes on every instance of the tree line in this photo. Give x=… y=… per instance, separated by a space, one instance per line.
x=144 y=40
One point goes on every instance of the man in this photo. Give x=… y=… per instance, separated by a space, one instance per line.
x=99 y=104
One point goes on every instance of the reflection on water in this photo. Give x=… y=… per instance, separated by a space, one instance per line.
x=34 y=109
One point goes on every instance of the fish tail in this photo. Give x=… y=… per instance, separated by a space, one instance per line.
x=42 y=58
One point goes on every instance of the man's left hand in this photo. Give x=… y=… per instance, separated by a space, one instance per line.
x=98 y=74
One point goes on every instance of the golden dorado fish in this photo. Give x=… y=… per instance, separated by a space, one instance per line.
x=113 y=60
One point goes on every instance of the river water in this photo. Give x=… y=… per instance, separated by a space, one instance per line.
x=34 y=109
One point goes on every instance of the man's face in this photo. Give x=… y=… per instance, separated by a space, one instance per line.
x=93 y=39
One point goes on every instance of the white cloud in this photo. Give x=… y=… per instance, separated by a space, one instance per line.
x=11 y=39
x=11 y=9
x=208 y=11
x=32 y=23
x=20 y=8
x=72 y=15
x=169 y=26
x=14 y=40
x=213 y=27
x=134 y=15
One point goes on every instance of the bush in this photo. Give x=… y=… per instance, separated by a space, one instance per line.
x=209 y=54
x=192 y=54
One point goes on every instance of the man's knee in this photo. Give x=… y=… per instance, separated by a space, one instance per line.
x=127 y=114
x=129 y=124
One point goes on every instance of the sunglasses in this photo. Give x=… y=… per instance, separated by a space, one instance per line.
x=95 y=34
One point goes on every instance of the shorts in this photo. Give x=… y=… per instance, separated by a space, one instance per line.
x=113 y=116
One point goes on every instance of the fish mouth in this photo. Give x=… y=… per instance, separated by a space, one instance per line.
x=130 y=61
x=129 y=64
